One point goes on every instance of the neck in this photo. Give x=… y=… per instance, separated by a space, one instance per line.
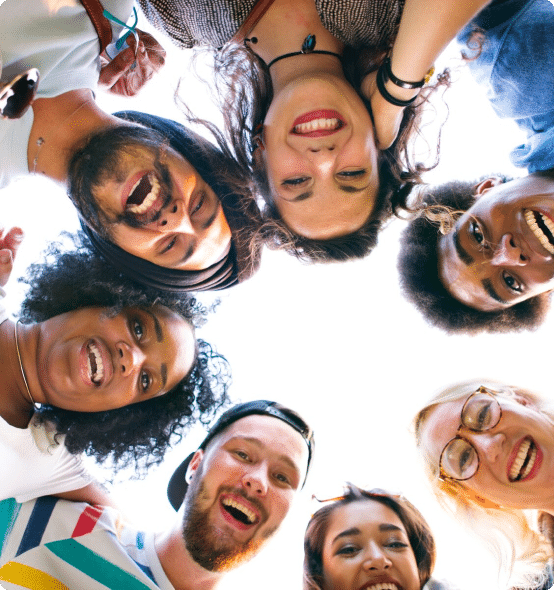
x=15 y=404
x=60 y=124
x=289 y=70
x=182 y=571
x=294 y=20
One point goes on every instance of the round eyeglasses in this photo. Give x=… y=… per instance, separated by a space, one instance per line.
x=459 y=459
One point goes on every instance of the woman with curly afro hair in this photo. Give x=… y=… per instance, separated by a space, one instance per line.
x=110 y=365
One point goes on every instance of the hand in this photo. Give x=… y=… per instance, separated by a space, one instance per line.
x=386 y=116
x=9 y=244
x=126 y=75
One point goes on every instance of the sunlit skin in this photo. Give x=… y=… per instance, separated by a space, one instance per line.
x=145 y=353
x=496 y=449
x=492 y=259
x=323 y=186
x=188 y=230
x=258 y=460
x=366 y=544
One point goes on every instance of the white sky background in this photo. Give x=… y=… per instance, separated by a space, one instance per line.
x=337 y=343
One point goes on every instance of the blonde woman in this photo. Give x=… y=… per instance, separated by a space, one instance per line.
x=489 y=454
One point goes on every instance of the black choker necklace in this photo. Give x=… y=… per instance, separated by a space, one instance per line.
x=307 y=47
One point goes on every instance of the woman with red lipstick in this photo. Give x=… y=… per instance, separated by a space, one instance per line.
x=115 y=368
x=367 y=538
x=489 y=454
x=312 y=106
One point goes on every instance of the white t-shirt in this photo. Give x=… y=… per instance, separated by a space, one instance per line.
x=58 y=38
x=32 y=462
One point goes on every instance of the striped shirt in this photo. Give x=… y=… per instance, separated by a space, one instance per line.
x=190 y=23
x=53 y=543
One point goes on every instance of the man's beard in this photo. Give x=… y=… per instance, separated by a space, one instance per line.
x=212 y=549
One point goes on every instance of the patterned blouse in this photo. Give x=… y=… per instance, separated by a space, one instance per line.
x=213 y=23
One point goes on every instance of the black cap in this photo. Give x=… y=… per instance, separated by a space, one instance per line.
x=177 y=487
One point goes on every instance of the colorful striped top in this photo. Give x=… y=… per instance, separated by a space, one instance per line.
x=54 y=543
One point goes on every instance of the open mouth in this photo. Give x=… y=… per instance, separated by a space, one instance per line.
x=95 y=363
x=143 y=194
x=318 y=123
x=542 y=227
x=524 y=460
x=239 y=511
x=382 y=586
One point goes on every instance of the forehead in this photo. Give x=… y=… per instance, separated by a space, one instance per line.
x=365 y=515
x=272 y=435
x=329 y=212
x=441 y=425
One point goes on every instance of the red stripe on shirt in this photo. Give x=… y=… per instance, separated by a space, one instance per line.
x=87 y=521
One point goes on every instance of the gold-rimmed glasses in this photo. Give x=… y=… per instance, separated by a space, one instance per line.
x=459 y=459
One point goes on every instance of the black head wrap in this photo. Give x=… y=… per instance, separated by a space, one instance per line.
x=241 y=260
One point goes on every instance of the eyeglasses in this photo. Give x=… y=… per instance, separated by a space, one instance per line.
x=459 y=459
x=16 y=96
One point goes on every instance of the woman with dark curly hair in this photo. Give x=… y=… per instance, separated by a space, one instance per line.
x=314 y=95
x=368 y=539
x=112 y=366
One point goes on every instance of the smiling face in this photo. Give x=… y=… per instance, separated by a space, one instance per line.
x=367 y=545
x=516 y=457
x=241 y=489
x=89 y=362
x=501 y=250
x=320 y=157
x=127 y=182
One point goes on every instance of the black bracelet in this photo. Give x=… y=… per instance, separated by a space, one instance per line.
x=381 y=81
x=387 y=70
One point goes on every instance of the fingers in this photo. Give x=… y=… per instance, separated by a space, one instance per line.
x=12 y=240
x=116 y=68
x=156 y=53
x=10 y=244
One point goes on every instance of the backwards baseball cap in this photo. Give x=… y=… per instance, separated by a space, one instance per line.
x=178 y=485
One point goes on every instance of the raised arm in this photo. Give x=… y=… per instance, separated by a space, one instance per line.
x=426 y=28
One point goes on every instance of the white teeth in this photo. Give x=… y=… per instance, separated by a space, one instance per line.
x=247 y=512
x=530 y=464
x=149 y=199
x=317 y=125
x=98 y=375
x=537 y=230
x=520 y=460
x=385 y=586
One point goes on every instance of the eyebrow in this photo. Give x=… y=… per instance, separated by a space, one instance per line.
x=212 y=217
x=189 y=252
x=385 y=527
x=157 y=326
x=301 y=197
x=159 y=338
x=193 y=245
x=487 y=285
x=466 y=258
x=352 y=189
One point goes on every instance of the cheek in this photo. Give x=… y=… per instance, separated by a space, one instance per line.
x=338 y=573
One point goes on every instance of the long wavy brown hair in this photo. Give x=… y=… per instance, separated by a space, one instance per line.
x=245 y=91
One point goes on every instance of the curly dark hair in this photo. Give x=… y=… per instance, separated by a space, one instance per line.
x=140 y=433
x=244 y=83
x=418 y=531
x=421 y=284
